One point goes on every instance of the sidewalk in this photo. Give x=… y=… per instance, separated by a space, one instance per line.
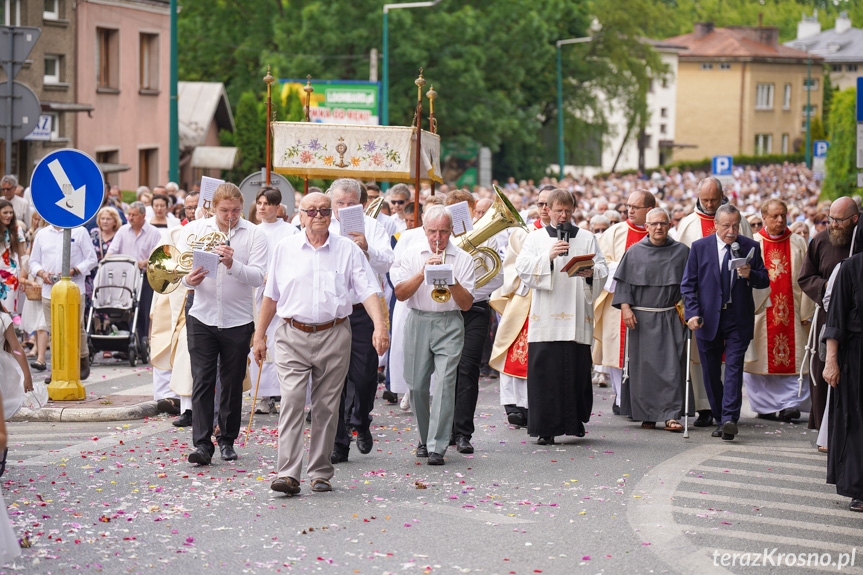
x=115 y=392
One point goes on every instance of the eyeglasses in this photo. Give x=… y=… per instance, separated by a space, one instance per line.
x=190 y=208
x=541 y=204
x=313 y=213
x=758 y=225
x=397 y=202
x=631 y=207
x=833 y=220
x=6 y=189
x=654 y=224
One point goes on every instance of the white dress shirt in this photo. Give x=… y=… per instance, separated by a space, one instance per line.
x=138 y=246
x=274 y=232
x=388 y=224
x=410 y=261
x=315 y=285
x=47 y=254
x=380 y=252
x=227 y=300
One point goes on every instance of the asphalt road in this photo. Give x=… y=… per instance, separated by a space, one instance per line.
x=121 y=498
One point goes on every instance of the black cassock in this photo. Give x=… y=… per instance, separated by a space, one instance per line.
x=845 y=325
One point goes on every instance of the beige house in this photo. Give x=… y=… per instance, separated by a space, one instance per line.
x=203 y=110
x=741 y=92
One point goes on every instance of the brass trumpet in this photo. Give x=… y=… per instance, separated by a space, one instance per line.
x=500 y=216
x=440 y=293
x=167 y=265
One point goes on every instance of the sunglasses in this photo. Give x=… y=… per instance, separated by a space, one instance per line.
x=397 y=202
x=313 y=213
x=823 y=222
x=541 y=204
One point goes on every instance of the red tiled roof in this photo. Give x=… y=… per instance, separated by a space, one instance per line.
x=733 y=43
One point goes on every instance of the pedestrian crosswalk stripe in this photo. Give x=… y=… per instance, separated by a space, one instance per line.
x=733 y=517
x=773 y=463
x=763 y=474
x=710 y=498
x=765 y=538
x=759 y=488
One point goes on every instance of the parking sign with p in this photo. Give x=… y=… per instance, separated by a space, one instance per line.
x=722 y=165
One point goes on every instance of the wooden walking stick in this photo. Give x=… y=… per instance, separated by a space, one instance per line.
x=255 y=398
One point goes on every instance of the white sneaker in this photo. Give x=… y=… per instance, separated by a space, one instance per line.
x=405 y=403
x=265 y=405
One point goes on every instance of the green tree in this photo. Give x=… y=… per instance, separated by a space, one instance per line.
x=841 y=176
x=250 y=136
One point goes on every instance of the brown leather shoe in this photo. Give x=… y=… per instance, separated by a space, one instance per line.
x=287 y=485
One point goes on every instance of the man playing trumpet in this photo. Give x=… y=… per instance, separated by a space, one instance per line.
x=434 y=329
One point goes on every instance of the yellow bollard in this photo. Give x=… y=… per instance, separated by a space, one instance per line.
x=65 y=342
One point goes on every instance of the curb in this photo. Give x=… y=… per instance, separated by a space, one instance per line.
x=137 y=411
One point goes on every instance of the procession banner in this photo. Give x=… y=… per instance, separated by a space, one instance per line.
x=328 y=151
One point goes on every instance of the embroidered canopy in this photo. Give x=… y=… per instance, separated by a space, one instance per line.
x=384 y=153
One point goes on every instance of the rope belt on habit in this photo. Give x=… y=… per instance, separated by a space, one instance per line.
x=653 y=309
x=313 y=327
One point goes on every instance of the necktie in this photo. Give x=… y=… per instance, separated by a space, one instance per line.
x=725 y=276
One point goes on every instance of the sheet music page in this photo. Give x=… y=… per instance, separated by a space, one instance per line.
x=352 y=220
x=439 y=272
x=208 y=187
x=461 y=221
x=207 y=260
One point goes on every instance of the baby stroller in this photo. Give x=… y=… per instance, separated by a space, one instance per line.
x=116 y=294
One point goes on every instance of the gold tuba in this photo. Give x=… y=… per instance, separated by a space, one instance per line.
x=500 y=216
x=167 y=265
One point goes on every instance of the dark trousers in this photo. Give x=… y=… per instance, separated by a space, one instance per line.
x=476 y=321
x=143 y=327
x=725 y=400
x=230 y=348
x=358 y=393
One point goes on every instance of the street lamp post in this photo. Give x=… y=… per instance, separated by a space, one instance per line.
x=385 y=99
x=560 y=158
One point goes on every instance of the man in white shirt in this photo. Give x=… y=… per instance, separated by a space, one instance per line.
x=137 y=239
x=46 y=262
x=358 y=396
x=398 y=197
x=434 y=331
x=220 y=322
x=313 y=276
x=275 y=229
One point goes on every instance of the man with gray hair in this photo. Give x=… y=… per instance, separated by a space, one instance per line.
x=434 y=329
x=358 y=393
x=647 y=291
x=398 y=197
x=23 y=208
x=700 y=224
x=720 y=309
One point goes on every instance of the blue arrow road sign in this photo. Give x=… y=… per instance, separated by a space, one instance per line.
x=68 y=188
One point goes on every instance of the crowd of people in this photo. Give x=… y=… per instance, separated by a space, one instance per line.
x=675 y=288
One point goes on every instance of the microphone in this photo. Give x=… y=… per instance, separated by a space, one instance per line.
x=563 y=230
x=735 y=249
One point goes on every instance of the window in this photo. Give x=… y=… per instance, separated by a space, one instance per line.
x=662 y=129
x=786 y=97
x=52 y=10
x=665 y=82
x=706 y=66
x=108 y=59
x=55 y=126
x=810 y=84
x=764 y=97
x=836 y=67
x=663 y=112
x=109 y=157
x=11 y=12
x=725 y=66
x=148 y=167
x=763 y=144
x=813 y=110
x=52 y=69
x=784 y=143
x=148 y=63
x=851 y=68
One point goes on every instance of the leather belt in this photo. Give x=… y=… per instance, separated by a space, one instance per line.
x=313 y=327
